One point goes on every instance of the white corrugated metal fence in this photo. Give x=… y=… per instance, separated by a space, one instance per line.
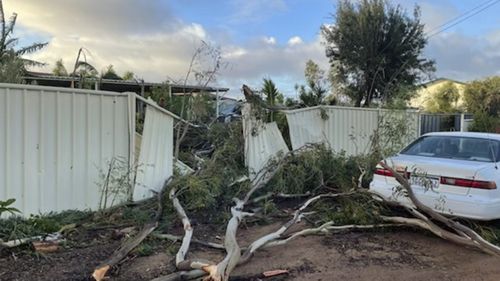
x=155 y=163
x=263 y=141
x=55 y=141
x=342 y=128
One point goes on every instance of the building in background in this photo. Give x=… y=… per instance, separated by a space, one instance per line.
x=426 y=91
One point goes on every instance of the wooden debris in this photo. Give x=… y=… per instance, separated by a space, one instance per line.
x=18 y=242
x=260 y=276
x=276 y=272
x=46 y=246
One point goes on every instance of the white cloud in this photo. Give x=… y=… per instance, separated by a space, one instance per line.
x=284 y=64
x=459 y=56
x=435 y=14
x=155 y=48
x=295 y=40
x=131 y=35
x=464 y=57
x=270 y=40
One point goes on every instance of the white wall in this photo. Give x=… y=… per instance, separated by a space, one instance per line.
x=54 y=142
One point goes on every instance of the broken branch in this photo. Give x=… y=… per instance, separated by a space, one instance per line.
x=463 y=234
x=100 y=272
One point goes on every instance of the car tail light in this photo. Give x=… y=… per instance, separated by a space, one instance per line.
x=469 y=183
x=383 y=172
x=387 y=173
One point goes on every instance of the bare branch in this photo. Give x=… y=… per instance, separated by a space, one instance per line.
x=464 y=235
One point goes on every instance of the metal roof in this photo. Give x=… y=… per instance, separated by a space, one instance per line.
x=47 y=79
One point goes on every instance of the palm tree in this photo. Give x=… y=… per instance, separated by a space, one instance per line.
x=82 y=68
x=272 y=94
x=8 y=52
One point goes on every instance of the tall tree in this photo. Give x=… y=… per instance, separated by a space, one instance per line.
x=375 y=49
x=12 y=64
x=315 y=90
x=59 y=69
x=82 y=68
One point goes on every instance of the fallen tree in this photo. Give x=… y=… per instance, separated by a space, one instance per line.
x=427 y=218
x=320 y=194
x=223 y=269
x=327 y=187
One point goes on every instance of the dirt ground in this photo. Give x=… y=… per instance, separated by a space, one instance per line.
x=402 y=254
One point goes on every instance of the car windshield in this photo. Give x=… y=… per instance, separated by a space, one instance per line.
x=454 y=147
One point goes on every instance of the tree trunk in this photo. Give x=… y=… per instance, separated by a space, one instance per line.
x=359 y=98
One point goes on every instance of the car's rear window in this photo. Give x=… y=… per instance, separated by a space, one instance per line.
x=454 y=147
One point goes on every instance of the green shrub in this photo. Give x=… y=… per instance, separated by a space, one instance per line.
x=5 y=207
x=483 y=122
x=315 y=168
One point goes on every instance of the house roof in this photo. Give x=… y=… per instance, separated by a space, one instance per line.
x=441 y=79
x=48 y=79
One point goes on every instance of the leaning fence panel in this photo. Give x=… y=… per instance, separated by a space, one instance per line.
x=155 y=164
x=263 y=142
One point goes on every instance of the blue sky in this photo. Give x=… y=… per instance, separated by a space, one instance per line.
x=258 y=38
x=244 y=21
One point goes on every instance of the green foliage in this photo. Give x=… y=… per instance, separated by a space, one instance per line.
x=272 y=95
x=375 y=48
x=444 y=99
x=314 y=93
x=394 y=132
x=115 y=182
x=482 y=98
x=5 y=207
x=359 y=208
x=128 y=75
x=319 y=170
x=110 y=73
x=11 y=69
x=483 y=122
x=59 y=69
x=210 y=189
x=313 y=169
x=196 y=107
x=9 y=54
x=19 y=227
x=82 y=68
x=483 y=95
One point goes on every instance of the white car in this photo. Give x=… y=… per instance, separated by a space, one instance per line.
x=455 y=173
